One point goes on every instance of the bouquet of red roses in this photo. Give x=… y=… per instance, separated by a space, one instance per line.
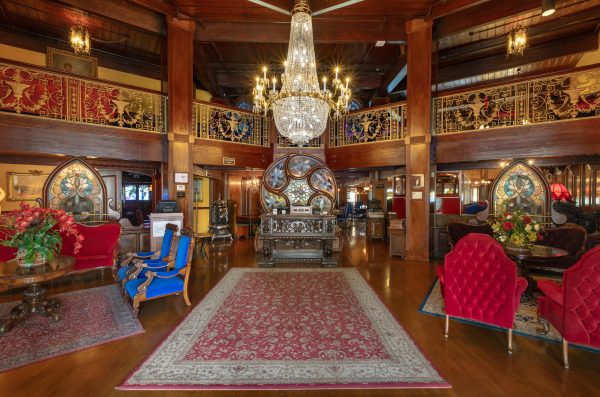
x=35 y=232
x=516 y=229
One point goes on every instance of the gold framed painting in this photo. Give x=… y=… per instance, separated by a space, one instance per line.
x=68 y=62
x=25 y=186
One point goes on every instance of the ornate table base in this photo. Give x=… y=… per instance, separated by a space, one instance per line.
x=35 y=300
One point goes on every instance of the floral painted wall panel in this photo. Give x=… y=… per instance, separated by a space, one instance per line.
x=299 y=180
x=520 y=188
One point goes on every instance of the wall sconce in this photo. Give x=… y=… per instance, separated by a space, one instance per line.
x=548 y=7
x=517 y=41
x=80 y=40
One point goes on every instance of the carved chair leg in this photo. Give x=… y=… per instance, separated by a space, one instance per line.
x=565 y=352
x=136 y=307
x=186 y=298
x=510 y=341
x=446 y=326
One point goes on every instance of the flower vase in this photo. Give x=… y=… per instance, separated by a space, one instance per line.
x=38 y=260
x=516 y=248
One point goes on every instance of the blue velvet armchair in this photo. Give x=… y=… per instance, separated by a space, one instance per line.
x=155 y=258
x=154 y=284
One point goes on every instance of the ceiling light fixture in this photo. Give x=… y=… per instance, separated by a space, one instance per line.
x=302 y=106
x=548 y=7
x=517 y=41
x=80 y=40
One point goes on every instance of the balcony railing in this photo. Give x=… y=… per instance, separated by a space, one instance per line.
x=44 y=93
x=285 y=142
x=371 y=125
x=560 y=97
x=229 y=124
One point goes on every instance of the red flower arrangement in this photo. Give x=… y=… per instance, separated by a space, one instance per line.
x=516 y=229
x=36 y=232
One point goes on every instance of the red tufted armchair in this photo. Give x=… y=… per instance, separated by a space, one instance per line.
x=480 y=283
x=574 y=308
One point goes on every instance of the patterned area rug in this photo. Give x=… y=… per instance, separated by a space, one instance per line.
x=89 y=317
x=262 y=329
x=526 y=319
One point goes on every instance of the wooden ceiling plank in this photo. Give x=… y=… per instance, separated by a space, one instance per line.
x=122 y=11
x=566 y=46
x=164 y=8
x=266 y=32
x=444 y=8
x=480 y=15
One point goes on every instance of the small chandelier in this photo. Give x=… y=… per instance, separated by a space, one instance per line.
x=253 y=184
x=517 y=41
x=80 y=40
x=301 y=108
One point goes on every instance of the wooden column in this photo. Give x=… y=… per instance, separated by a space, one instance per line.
x=180 y=63
x=418 y=138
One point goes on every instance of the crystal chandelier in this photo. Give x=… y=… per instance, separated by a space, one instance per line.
x=301 y=108
x=80 y=40
x=517 y=41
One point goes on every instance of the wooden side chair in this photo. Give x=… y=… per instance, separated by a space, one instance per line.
x=157 y=284
x=151 y=257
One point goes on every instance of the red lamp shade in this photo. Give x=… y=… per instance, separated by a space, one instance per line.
x=560 y=192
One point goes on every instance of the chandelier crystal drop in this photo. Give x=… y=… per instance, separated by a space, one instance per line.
x=302 y=106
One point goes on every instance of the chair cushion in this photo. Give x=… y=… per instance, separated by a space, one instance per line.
x=144 y=253
x=158 y=286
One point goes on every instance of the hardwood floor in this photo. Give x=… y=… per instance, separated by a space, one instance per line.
x=473 y=359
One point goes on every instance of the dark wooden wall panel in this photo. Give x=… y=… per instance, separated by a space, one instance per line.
x=36 y=135
x=554 y=139
x=208 y=152
x=368 y=155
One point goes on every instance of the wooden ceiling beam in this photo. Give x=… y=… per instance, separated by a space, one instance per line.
x=443 y=8
x=481 y=15
x=204 y=74
x=395 y=71
x=271 y=32
x=566 y=46
x=162 y=7
x=549 y=31
x=122 y=11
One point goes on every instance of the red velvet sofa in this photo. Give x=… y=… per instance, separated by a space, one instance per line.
x=99 y=248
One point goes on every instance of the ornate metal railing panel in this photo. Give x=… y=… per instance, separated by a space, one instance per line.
x=39 y=92
x=562 y=97
x=376 y=125
x=230 y=125
x=285 y=142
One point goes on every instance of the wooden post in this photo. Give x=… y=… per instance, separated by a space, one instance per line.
x=180 y=61
x=418 y=138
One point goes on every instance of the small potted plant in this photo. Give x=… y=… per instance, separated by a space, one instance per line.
x=516 y=230
x=36 y=233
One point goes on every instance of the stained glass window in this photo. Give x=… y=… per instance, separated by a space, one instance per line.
x=299 y=180
x=520 y=188
x=76 y=188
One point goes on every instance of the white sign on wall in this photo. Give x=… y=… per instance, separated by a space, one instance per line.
x=158 y=227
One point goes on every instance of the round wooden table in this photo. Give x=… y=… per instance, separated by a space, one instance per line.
x=533 y=252
x=35 y=299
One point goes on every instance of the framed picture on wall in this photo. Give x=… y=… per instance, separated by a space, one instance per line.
x=25 y=186
x=68 y=62
x=417 y=181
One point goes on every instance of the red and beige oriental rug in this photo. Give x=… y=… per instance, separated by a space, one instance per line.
x=89 y=317
x=262 y=329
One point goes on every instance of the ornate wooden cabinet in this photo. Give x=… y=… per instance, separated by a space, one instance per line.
x=297 y=239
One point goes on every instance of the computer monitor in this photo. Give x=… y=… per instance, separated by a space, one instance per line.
x=167 y=206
